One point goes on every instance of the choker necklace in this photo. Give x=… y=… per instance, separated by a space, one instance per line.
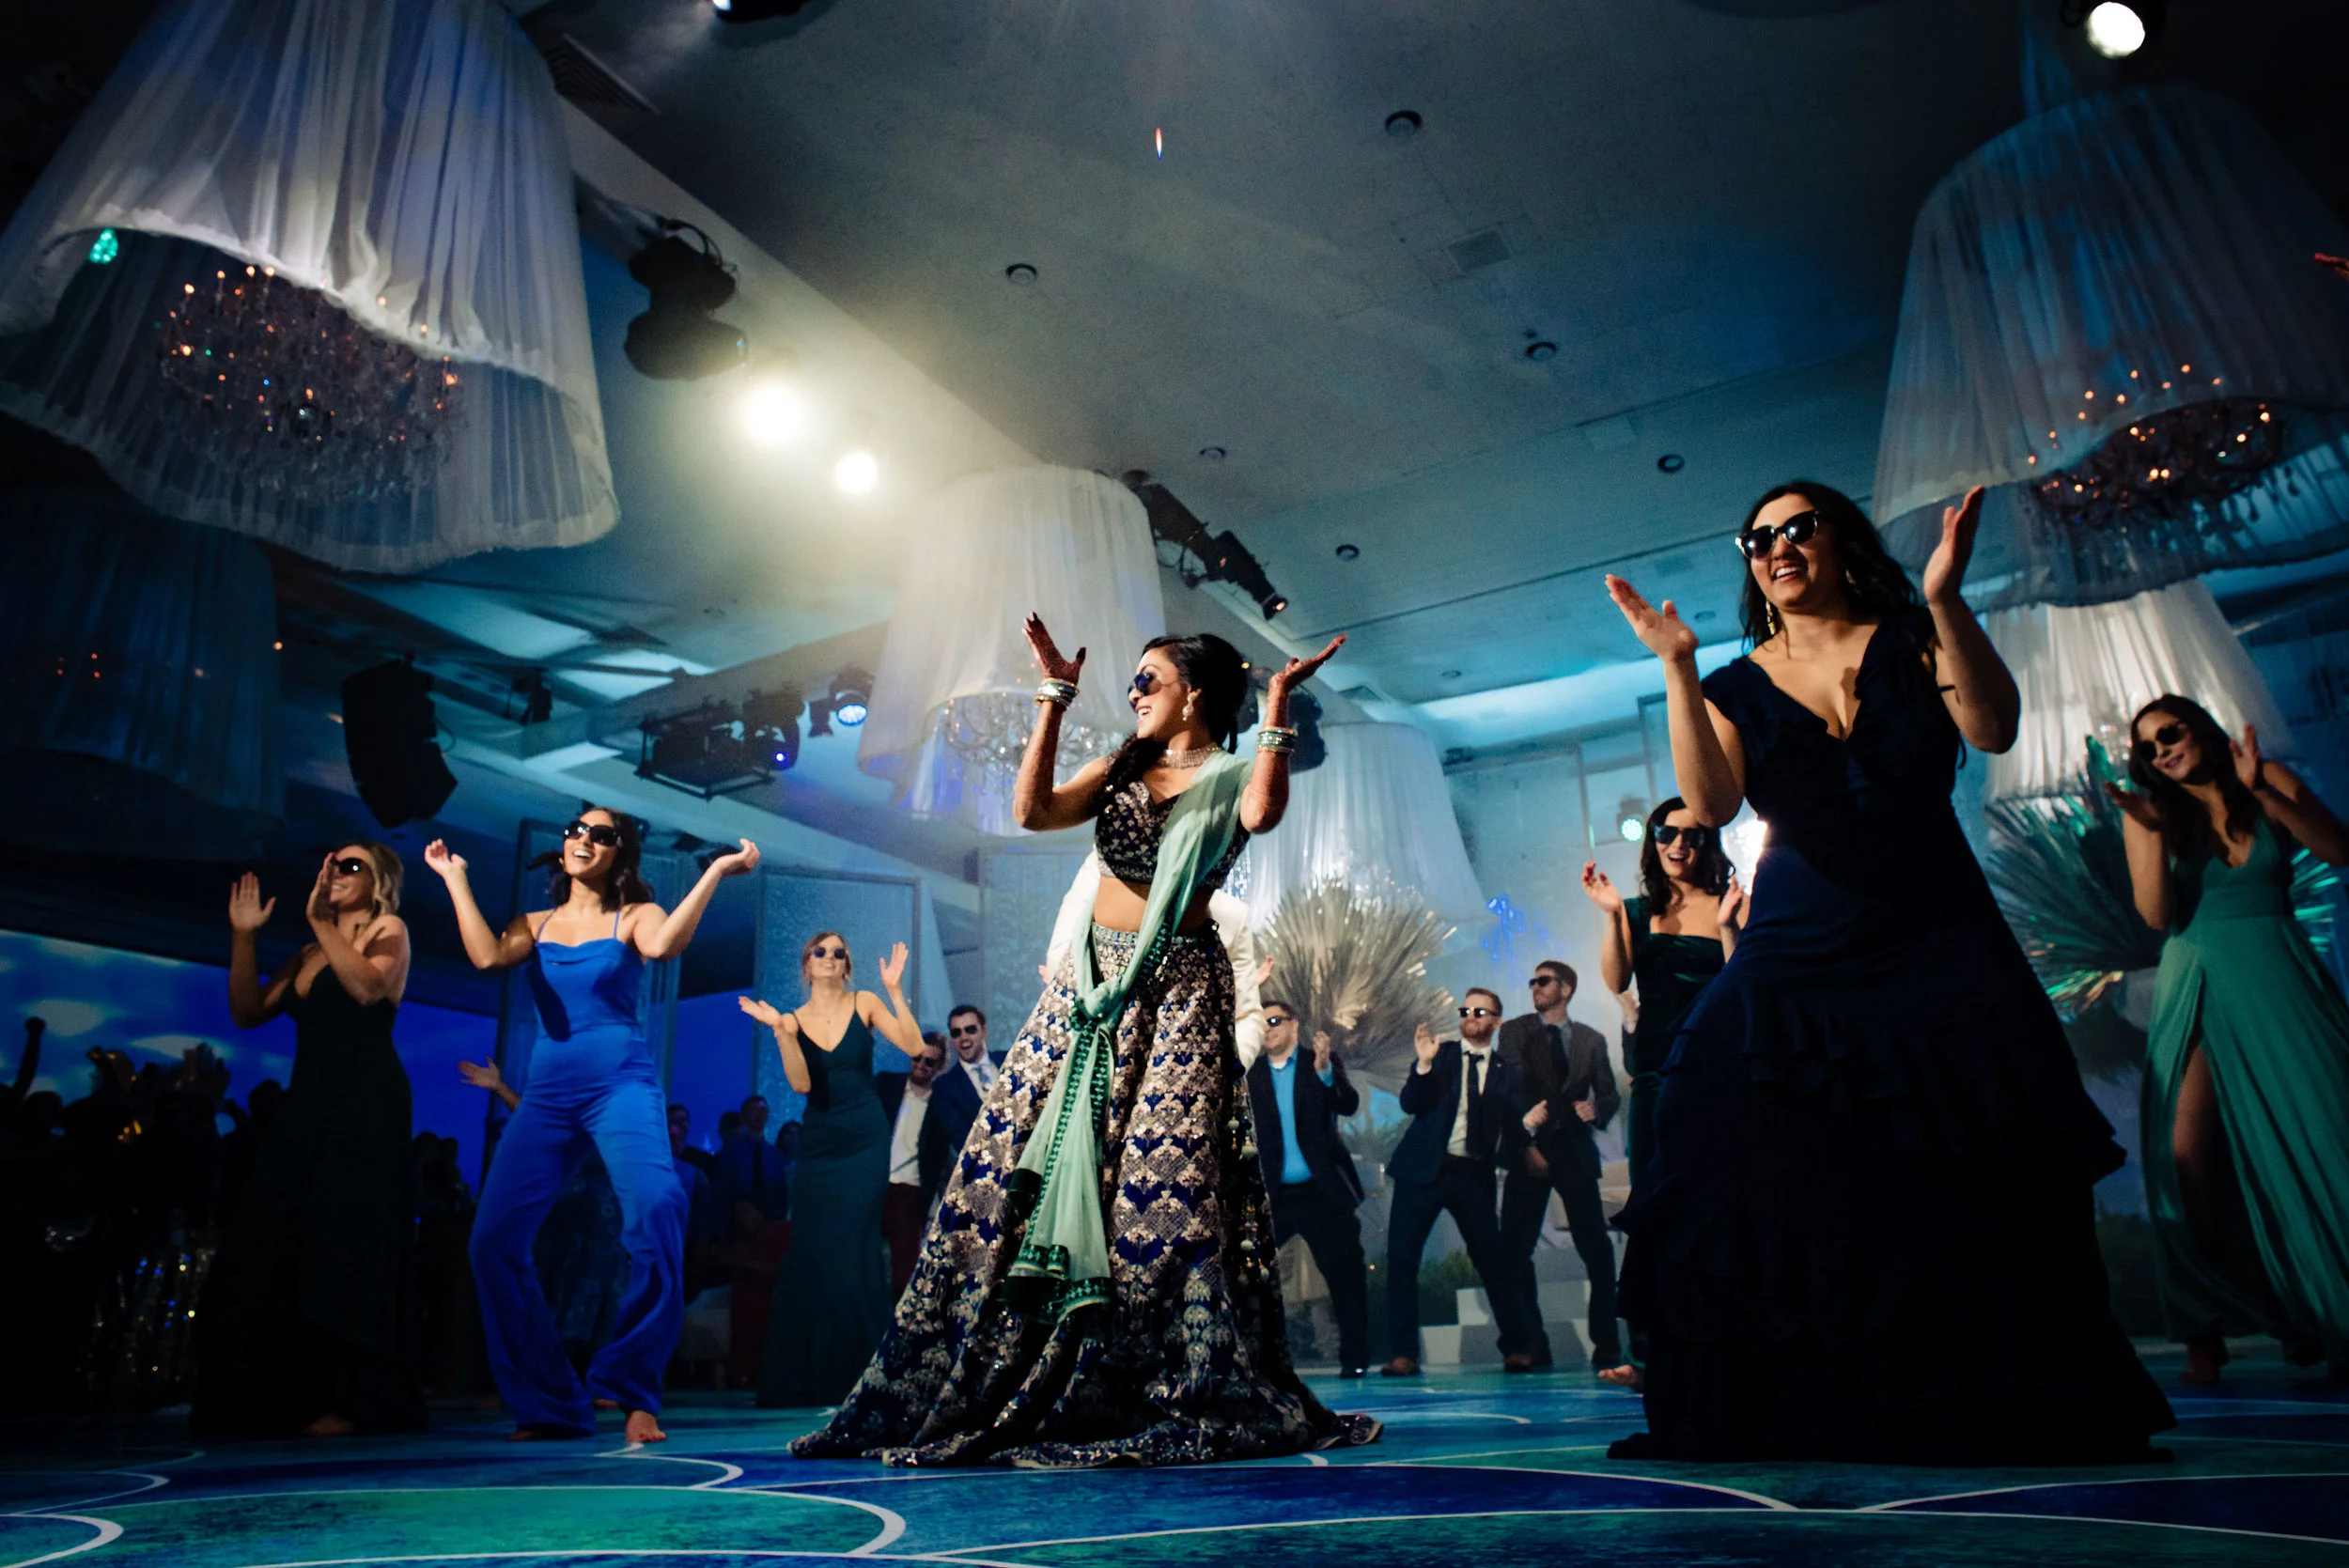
x=1175 y=759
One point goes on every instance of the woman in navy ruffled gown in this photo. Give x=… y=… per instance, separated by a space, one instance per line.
x=1867 y=1231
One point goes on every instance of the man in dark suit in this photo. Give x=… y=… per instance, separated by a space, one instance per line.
x=1461 y=1098
x=1307 y=1172
x=750 y=1167
x=919 y=1155
x=1568 y=1088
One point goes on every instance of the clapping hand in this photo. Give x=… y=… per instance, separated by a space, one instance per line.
x=1662 y=632
x=2249 y=765
x=483 y=1075
x=1321 y=1050
x=247 y=913
x=320 y=909
x=1600 y=889
x=1732 y=900
x=893 y=969
x=1424 y=1047
x=765 y=1013
x=1946 y=568
x=2138 y=809
x=445 y=862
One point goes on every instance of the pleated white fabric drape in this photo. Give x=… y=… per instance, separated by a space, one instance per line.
x=953 y=695
x=2106 y=260
x=1376 y=815
x=142 y=715
x=2085 y=671
x=405 y=160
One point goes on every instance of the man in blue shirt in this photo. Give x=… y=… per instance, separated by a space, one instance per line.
x=1308 y=1173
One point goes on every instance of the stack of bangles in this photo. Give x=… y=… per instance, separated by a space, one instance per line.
x=1060 y=693
x=1276 y=738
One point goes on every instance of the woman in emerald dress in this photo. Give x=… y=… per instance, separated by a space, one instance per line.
x=2247 y=1081
x=1097 y=1287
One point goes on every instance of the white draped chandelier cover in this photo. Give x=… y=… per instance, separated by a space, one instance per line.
x=2111 y=319
x=1376 y=817
x=954 y=695
x=2085 y=671
x=309 y=270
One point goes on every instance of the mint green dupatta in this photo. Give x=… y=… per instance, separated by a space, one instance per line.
x=1057 y=1186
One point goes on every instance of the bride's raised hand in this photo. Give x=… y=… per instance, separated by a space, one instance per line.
x=1661 y=631
x=1047 y=657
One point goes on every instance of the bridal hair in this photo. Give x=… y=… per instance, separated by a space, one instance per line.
x=1873 y=583
x=1213 y=669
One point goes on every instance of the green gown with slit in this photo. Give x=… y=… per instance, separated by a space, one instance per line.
x=2239 y=980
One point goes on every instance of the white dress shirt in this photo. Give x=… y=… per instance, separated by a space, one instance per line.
x=1231 y=928
x=1483 y=1056
x=905 y=1139
x=981 y=1073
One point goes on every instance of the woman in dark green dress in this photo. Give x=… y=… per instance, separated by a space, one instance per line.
x=1672 y=940
x=2247 y=1075
x=832 y=1299
x=308 y=1319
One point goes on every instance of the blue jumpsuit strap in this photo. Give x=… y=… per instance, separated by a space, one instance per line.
x=542 y=926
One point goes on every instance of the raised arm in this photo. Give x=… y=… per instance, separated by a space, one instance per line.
x=370 y=973
x=2149 y=857
x=1038 y=803
x=251 y=1004
x=786 y=1033
x=659 y=933
x=896 y=1022
x=2290 y=804
x=485 y=1076
x=1709 y=759
x=1975 y=683
x=1614 y=937
x=487 y=948
x=1265 y=800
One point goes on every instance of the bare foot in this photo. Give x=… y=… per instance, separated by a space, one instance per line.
x=644 y=1427
x=1626 y=1377
x=329 y=1425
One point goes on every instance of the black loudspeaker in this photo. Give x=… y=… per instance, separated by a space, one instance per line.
x=389 y=732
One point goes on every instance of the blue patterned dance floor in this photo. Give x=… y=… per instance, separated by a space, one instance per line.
x=1473 y=1469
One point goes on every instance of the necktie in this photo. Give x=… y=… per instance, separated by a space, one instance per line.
x=1475 y=1108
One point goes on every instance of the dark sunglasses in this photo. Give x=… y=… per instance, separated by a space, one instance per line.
x=1759 y=540
x=1144 y=682
x=834 y=952
x=1480 y=1011
x=2169 y=735
x=1541 y=980
x=1666 y=833
x=351 y=865
x=602 y=835
x=1274 y=1021
x=962 y=1030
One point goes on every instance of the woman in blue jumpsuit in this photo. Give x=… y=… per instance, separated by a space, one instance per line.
x=591 y=1081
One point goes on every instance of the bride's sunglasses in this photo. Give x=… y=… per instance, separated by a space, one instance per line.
x=602 y=834
x=1759 y=540
x=1666 y=833
x=2169 y=735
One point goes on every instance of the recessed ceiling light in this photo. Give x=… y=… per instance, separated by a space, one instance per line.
x=1670 y=462
x=1347 y=552
x=1021 y=274
x=2115 y=30
x=856 y=472
x=1403 y=122
x=1541 y=352
x=1213 y=454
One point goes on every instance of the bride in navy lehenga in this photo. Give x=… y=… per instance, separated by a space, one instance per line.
x=1867 y=1231
x=1097 y=1287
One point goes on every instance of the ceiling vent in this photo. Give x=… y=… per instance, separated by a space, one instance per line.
x=1479 y=250
x=592 y=84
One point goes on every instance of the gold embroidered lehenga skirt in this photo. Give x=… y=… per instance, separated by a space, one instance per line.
x=1188 y=1362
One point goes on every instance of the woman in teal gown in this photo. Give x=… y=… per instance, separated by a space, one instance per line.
x=2246 y=1077
x=831 y=1299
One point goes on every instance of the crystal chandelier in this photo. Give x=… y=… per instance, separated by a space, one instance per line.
x=990 y=730
x=2168 y=467
x=277 y=380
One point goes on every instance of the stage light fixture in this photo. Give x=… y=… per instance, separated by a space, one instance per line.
x=708 y=751
x=2115 y=31
x=848 y=700
x=857 y=472
x=1219 y=557
x=677 y=340
x=537 y=698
